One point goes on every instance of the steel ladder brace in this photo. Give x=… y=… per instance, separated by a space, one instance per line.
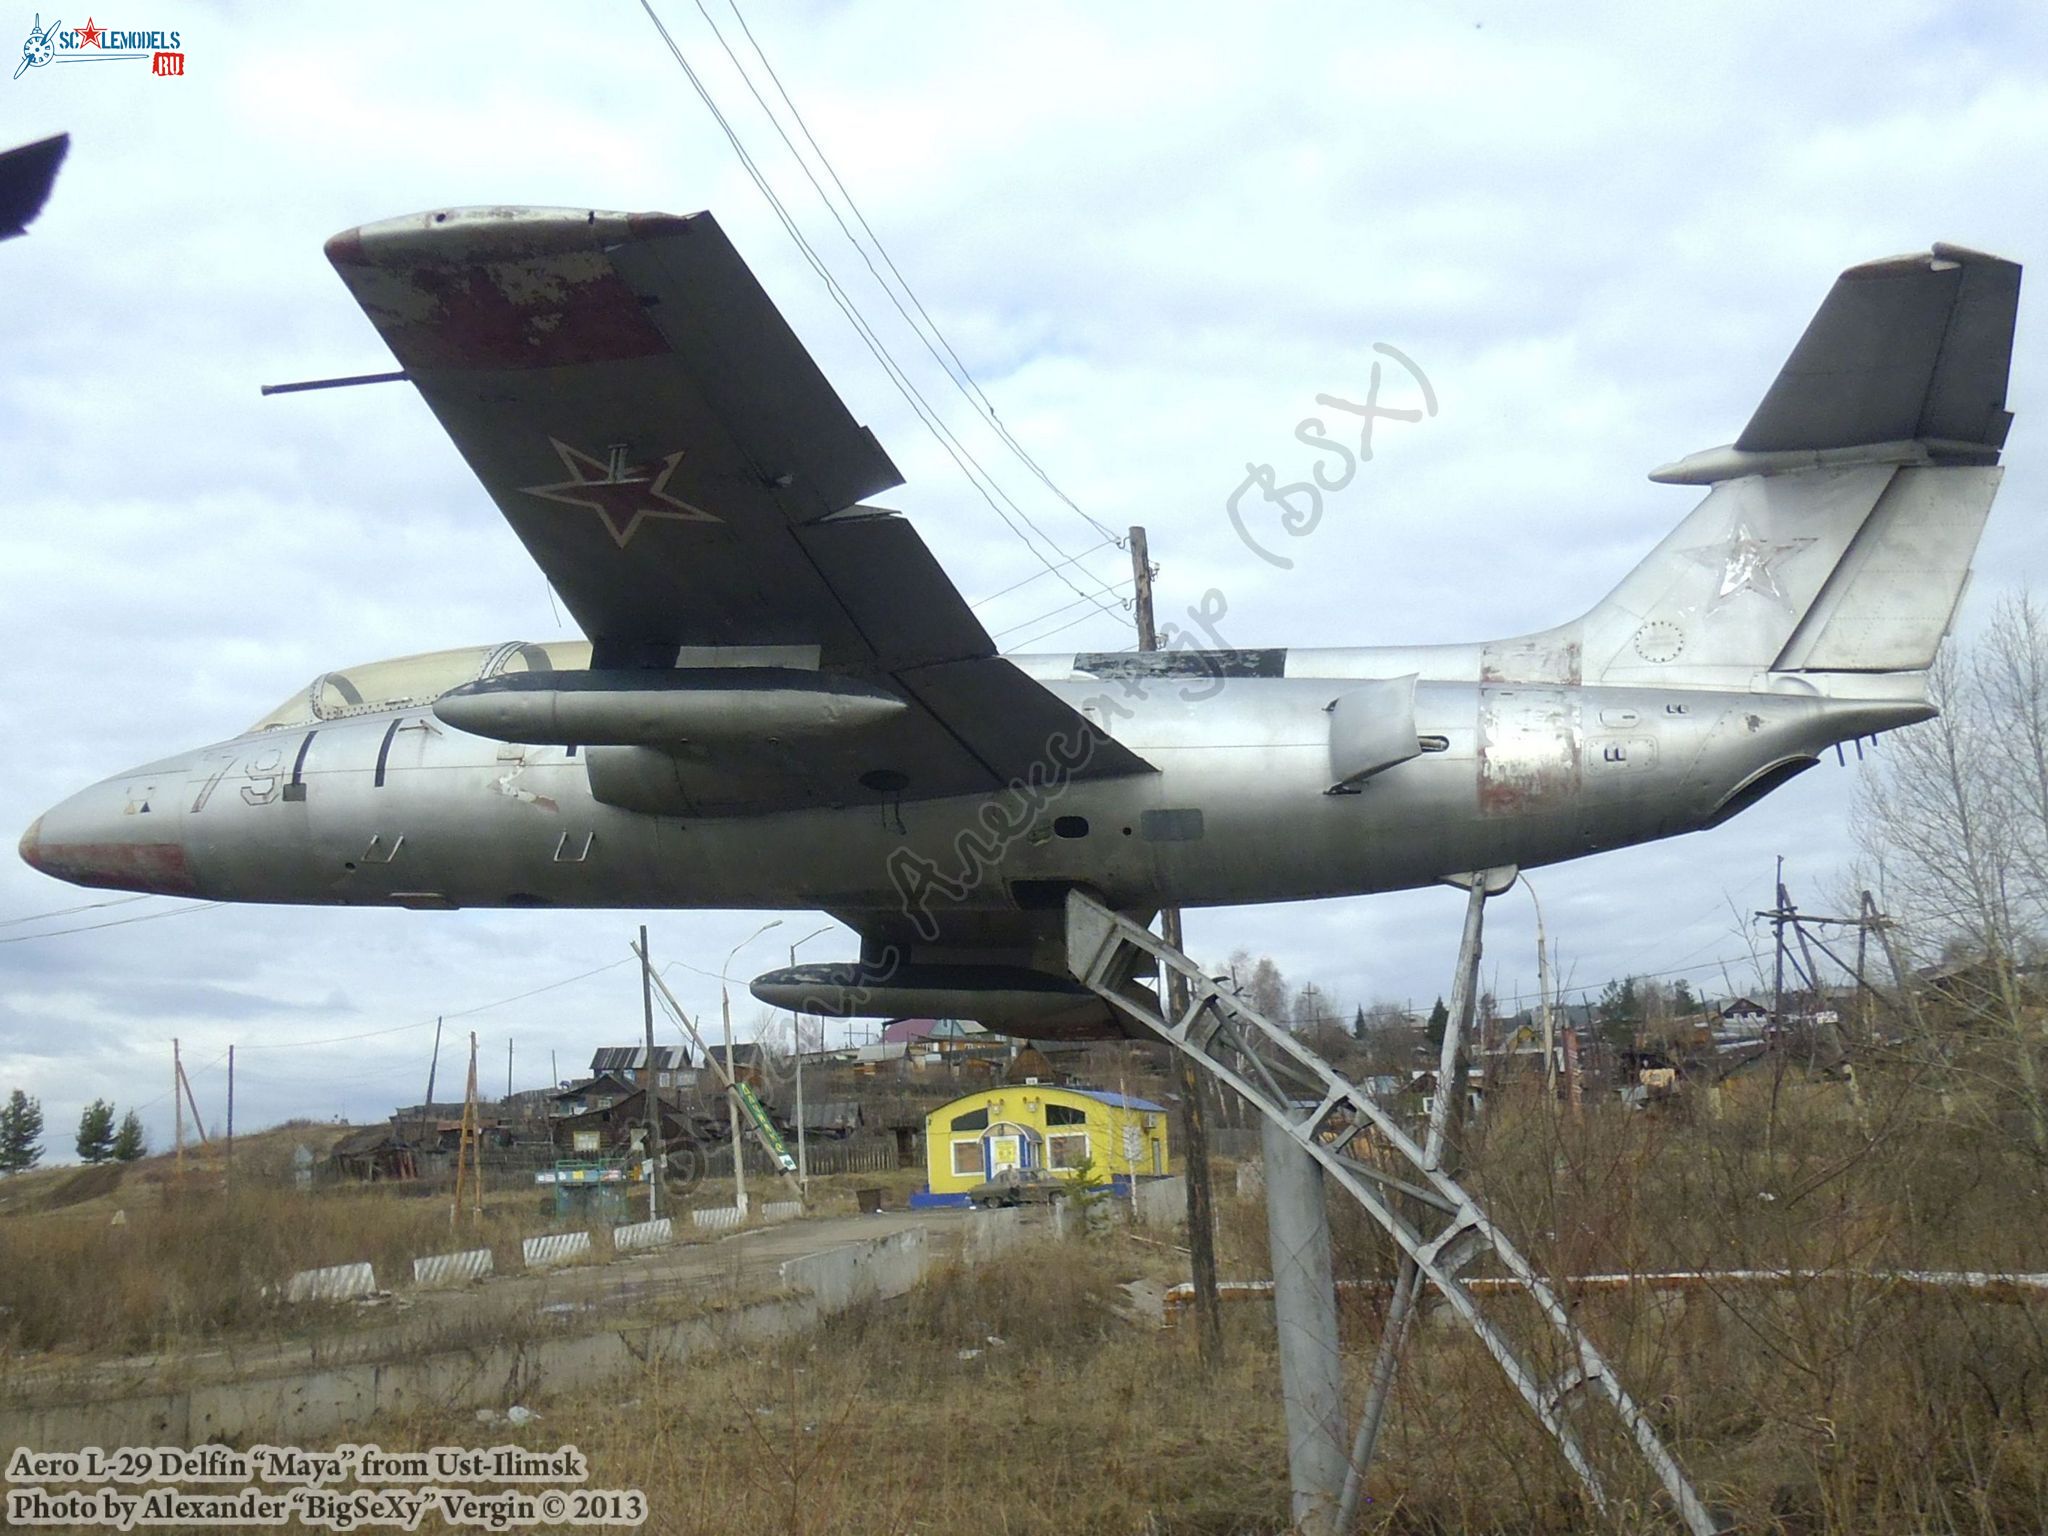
x=1100 y=946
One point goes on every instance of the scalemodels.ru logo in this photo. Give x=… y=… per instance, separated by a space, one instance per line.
x=93 y=43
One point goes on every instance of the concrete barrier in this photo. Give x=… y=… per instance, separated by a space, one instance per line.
x=658 y=1233
x=555 y=1248
x=452 y=1268
x=720 y=1218
x=991 y=1232
x=308 y=1407
x=870 y=1271
x=1162 y=1202
x=782 y=1210
x=342 y=1282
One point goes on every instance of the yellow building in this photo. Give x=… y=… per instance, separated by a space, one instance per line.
x=1031 y=1126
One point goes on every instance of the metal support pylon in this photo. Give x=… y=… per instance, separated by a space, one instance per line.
x=1272 y=1071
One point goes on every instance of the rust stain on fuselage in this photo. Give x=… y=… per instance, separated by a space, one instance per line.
x=1528 y=750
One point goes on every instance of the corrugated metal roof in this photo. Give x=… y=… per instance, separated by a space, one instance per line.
x=630 y=1058
x=1118 y=1100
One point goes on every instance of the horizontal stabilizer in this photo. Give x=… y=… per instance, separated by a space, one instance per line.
x=1909 y=348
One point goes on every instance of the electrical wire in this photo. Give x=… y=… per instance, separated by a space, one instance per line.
x=136 y=1109
x=963 y=380
x=119 y=922
x=460 y=1013
x=1048 y=634
x=1590 y=988
x=1042 y=617
x=396 y=1029
x=933 y=423
x=90 y=906
x=983 y=602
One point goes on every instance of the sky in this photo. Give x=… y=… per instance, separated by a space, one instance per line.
x=1153 y=235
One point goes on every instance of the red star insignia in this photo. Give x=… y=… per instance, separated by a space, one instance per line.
x=623 y=496
x=89 y=35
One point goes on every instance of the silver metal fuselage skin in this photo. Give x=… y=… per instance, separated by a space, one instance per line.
x=398 y=808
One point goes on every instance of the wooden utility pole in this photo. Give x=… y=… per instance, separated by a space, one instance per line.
x=230 y=1174
x=433 y=1063
x=1573 y=1095
x=191 y=1099
x=648 y=1080
x=178 y=1110
x=1778 y=959
x=1194 y=1131
x=466 y=1151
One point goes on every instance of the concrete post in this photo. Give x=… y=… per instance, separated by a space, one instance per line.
x=1305 y=1315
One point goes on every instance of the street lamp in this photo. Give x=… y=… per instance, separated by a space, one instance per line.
x=796 y=1030
x=1543 y=992
x=732 y=1095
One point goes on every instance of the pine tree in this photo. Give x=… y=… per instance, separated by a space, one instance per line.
x=96 y=1131
x=129 y=1142
x=1439 y=1021
x=21 y=1133
x=1358 y=1025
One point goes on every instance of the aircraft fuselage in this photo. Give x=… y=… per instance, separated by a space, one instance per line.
x=396 y=808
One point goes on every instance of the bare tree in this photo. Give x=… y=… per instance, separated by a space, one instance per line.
x=1263 y=985
x=2011 y=674
x=1949 y=818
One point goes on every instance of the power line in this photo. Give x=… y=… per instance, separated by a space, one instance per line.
x=90 y=906
x=396 y=1029
x=1058 y=629
x=459 y=1013
x=933 y=423
x=1048 y=614
x=963 y=380
x=119 y=922
x=983 y=602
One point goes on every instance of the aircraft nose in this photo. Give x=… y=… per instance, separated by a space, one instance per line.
x=30 y=846
x=117 y=836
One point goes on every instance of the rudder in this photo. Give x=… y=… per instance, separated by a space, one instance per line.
x=1838 y=533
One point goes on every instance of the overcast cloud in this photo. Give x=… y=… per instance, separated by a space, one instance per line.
x=1155 y=233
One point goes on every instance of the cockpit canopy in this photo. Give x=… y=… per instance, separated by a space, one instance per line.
x=416 y=681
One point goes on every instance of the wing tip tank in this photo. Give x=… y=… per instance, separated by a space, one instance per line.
x=498 y=233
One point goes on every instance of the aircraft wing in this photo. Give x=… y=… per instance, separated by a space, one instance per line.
x=26 y=175
x=689 y=482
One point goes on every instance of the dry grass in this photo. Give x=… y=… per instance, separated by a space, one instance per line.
x=195 y=1258
x=1010 y=1398
x=198 y=1258
x=1819 y=1410
x=191 y=1269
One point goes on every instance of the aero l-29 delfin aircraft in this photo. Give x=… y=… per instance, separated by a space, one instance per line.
x=784 y=702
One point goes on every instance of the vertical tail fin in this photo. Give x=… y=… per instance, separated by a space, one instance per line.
x=1838 y=533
